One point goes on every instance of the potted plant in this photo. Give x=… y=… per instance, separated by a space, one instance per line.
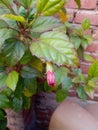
x=37 y=52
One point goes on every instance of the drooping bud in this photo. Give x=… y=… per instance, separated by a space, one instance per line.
x=50 y=75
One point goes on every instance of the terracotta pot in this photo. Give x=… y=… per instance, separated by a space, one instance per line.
x=93 y=109
x=71 y=116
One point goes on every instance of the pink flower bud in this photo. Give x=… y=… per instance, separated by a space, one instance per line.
x=51 y=78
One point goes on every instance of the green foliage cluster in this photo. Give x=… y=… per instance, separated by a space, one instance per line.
x=30 y=36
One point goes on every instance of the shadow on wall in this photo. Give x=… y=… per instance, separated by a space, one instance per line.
x=44 y=107
x=30 y=117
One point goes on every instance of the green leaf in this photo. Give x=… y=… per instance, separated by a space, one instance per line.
x=35 y=35
x=6 y=3
x=3 y=9
x=84 y=43
x=26 y=3
x=17 y=104
x=78 y=32
x=30 y=87
x=83 y=78
x=22 y=11
x=20 y=86
x=48 y=7
x=11 y=24
x=4 y=101
x=5 y=34
x=47 y=88
x=93 y=70
x=2 y=69
x=77 y=71
x=88 y=38
x=43 y=24
x=18 y=18
x=93 y=82
x=40 y=87
x=68 y=24
x=3 y=77
x=86 y=24
x=87 y=57
x=3 y=24
x=29 y=72
x=76 y=41
x=81 y=93
x=55 y=47
x=6 y=91
x=90 y=91
x=13 y=50
x=78 y=2
x=61 y=28
x=27 y=57
x=60 y=75
x=36 y=63
x=32 y=15
x=76 y=80
x=3 y=120
x=61 y=95
x=67 y=83
x=2 y=115
x=26 y=102
x=14 y=9
x=12 y=80
x=1 y=60
x=80 y=52
x=3 y=124
x=27 y=93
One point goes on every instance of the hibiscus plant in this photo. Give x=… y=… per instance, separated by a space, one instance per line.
x=39 y=50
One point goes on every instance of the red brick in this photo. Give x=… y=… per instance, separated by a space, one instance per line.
x=89 y=32
x=41 y=117
x=95 y=34
x=71 y=4
x=93 y=55
x=85 y=4
x=91 y=15
x=70 y=14
x=93 y=47
x=88 y=4
x=85 y=67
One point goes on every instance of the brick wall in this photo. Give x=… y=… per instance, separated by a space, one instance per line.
x=45 y=103
x=89 y=9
